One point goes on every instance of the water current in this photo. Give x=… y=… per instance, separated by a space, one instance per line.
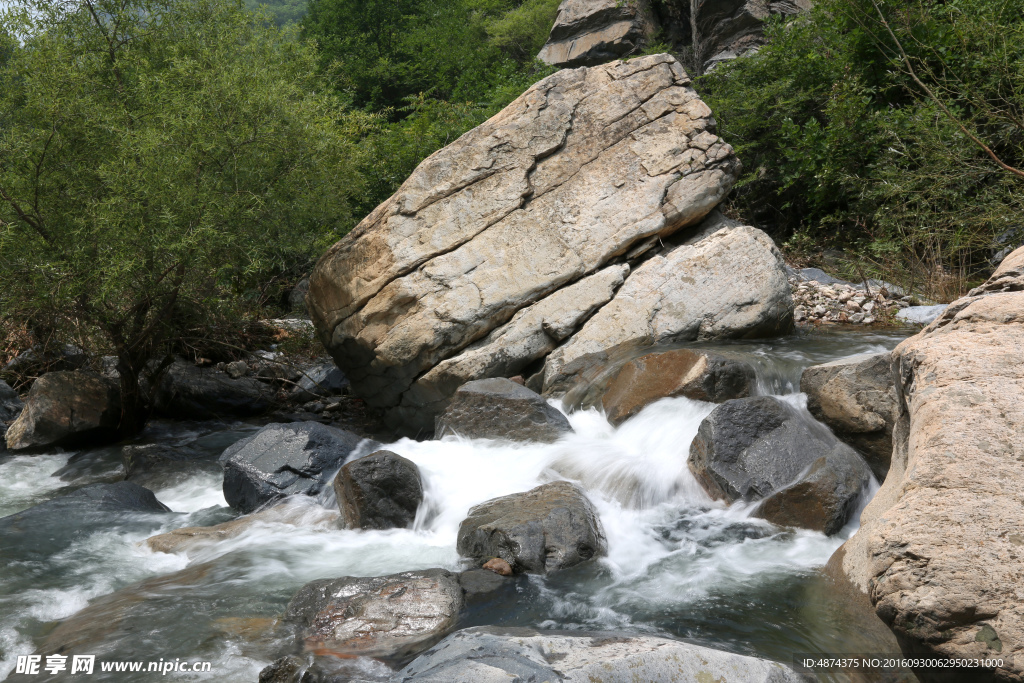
x=678 y=564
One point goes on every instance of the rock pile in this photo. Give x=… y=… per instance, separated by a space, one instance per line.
x=840 y=302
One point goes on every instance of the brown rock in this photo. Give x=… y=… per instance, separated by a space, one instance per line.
x=498 y=566
x=589 y=32
x=382 y=490
x=67 y=408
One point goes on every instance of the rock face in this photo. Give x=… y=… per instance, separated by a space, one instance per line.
x=729 y=284
x=580 y=170
x=379 y=491
x=486 y=654
x=699 y=375
x=186 y=391
x=319 y=381
x=760 y=449
x=382 y=616
x=501 y=409
x=282 y=460
x=939 y=548
x=590 y=32
x=551 y=527
x=856 y=398
x=726 y=30
x=67 y=409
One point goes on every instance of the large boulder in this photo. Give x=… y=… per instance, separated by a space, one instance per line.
x=590 y=32
x=939 y=548
x=583 y=168
x=381 y=490
x=501 y=409
x=67 y=408
x=486 y=654
x=730 y=283
x=283 y=460
x=726 y=30
x=382 y=616
x=187 y=391
x=763 y=449
x=856 y=398
x=551 y=527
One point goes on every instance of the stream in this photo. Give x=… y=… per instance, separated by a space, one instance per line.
x=678 y=564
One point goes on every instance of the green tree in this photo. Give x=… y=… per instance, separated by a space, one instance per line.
x=156 y=157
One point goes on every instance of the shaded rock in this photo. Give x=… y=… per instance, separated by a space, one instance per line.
x=728 y=284
x=726 y=30
x=501 y=409
x=478 y=583
x=158 y=465
x=488 y=654
x=700 y=375
x=297 y=297
x=920 y=315
x=382 y=616
x=590 y=32
x=38 y=361
x=187 y=391
x=10 y=403
x=236 y=369
x=551 y=527
x=939 y=547
x=283 y=460
x=319 y=381
x=381 y=490
x=856 y=398
x=581 y=168
x=67 y=409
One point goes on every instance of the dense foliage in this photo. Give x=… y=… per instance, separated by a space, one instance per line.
x=157 y=159
x=860 y=126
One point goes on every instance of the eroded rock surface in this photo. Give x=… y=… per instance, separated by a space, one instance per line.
x=590 y=32
x=551 y=527
x=67 y=408
x=726 y=29
x=381 y=490
x=580 y=169
x=499 y=408
x=939 y=551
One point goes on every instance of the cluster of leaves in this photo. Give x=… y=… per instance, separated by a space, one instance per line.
x=880 y=127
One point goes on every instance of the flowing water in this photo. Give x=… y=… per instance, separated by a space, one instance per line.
x=678 y=563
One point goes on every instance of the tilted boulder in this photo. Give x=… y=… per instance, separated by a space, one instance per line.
x=381 y=490
x=762 y=449
x=380 y=616
x=728 y=284
x=501 y=409
x=67 y=408
x=551 y=527
x=856 y=398
x=590 y=32
x=187 y=391
x=581 y=168
x=724 y=30
x=939 y=548
x=283 y=460
x=486 y=653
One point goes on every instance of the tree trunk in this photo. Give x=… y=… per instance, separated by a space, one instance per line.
x=135 y=405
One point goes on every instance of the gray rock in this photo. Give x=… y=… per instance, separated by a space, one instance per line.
x=297 y=297
x=236 y=369
x=284 y=459
x=499 y=408
x=856 y=398
x=319 y=381
x=920 y=315
x=381 y=490
x=67 y=409
x=190 y=392
x=10 y=403
x=551 y=527
x=754 y=448
x=726 y=30
x=158 y=465
x=590 y=32
x=382 y=616
x=477 y=583
x=487 y=654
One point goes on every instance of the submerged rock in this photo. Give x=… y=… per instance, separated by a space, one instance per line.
x=381 y=490
x=67 y=408
x=157 y=464
x=856 y=398
x=282 y=460
x=487 y=653
x=590 y=32
x=551 y=527
x=381 y=616
x=187 y=391
x=501 y=409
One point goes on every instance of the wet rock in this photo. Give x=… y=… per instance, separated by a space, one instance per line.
x=381 y=490
x=282 y=460
x=551 y=527
x=67 y=409
x=700 y=375
x=758 y=448
x=10 y=403
x=920 y=315
x=498 y=566
x=487 y=653
x=499 y=408
x=190 y=392
x=319 y=381
x=477 y=583
x=159 y=465
x=856 y=398
x=382 y=616
x=590 y=32
x=609 y=157
x=939 y=547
